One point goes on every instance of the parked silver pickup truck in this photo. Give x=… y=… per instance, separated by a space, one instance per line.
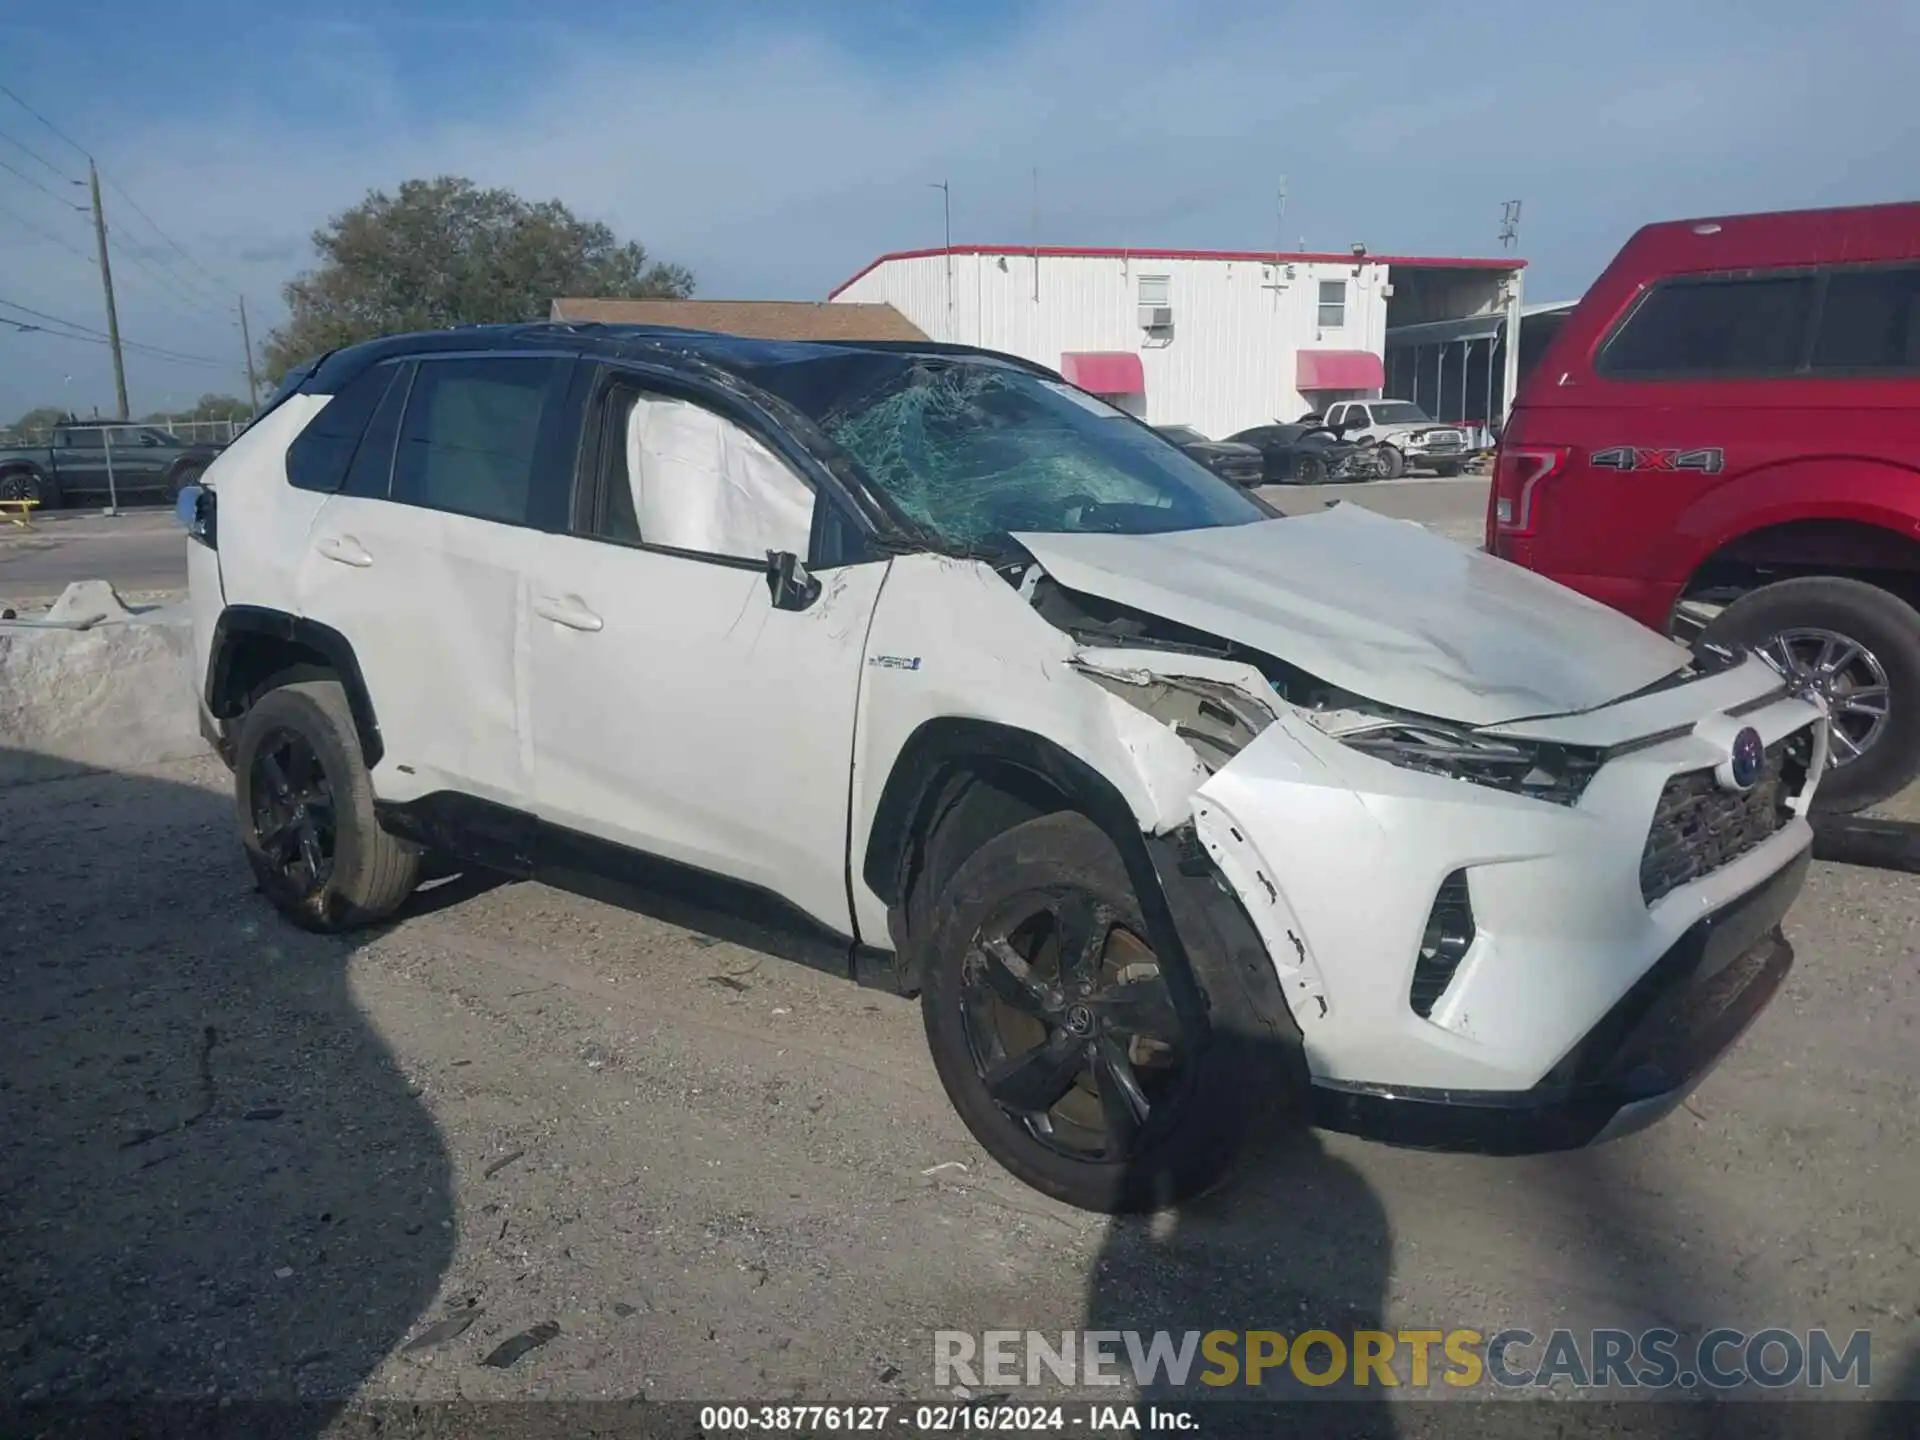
x=1408 y=437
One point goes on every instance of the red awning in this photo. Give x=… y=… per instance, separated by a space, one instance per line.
x=1104 y=372
x=1341 y=370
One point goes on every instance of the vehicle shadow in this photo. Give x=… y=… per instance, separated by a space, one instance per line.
x=218 y=1183
x=1297 y=1241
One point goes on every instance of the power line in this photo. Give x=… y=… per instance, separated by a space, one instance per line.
x=28 y=327
x=61 y=199
x=154 y=270
x=26 y=149
x=57 y=132
x=89 y=333
x=221 y=290
x=46 y=235
x=163 y=234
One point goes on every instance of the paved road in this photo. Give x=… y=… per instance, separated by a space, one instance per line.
x=143 y=550
x=1454 y=508
x=242 y=1160
x=139 y=550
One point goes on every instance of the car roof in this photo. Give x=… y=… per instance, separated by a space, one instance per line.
x=693 y=350
x=1859 y=233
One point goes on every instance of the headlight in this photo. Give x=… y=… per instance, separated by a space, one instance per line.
x=1554 y=773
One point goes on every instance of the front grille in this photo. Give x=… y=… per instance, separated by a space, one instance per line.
x=1446 y=440
x=1698 y=827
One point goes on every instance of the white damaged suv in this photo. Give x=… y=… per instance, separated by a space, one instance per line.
x=918 y=664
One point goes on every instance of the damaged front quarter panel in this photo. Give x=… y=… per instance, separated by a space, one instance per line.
x=1218 y=707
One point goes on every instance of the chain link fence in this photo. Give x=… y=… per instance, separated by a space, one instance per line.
x=187 y=432
x=110 y=459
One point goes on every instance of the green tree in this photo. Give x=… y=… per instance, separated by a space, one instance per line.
x=445 y=252
x=35 y=423
x=209 y=407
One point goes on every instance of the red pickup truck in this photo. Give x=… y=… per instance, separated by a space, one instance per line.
x=1726 y=432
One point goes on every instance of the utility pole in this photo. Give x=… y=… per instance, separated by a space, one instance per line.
x=946 y=197
x=106 y=283
x=246 y=339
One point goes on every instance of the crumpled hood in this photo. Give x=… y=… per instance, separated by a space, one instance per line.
x=1379 y=607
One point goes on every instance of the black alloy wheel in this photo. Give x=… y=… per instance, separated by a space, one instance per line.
x=1083 y=1062
x=294 y=819
x=1070 y=1025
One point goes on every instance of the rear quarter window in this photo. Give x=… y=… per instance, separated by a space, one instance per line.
x=320 y=454
x=1713 y=327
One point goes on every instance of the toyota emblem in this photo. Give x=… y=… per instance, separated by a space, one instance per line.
x=1745 y=760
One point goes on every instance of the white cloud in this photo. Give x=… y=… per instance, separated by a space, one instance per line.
x=774 y=163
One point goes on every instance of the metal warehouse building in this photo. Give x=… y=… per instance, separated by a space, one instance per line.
x=1222 y=340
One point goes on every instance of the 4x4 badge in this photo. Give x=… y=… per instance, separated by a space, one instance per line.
x=1631 y=457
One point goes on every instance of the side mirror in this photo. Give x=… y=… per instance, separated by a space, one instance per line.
x=195 y=511
x=792 y=587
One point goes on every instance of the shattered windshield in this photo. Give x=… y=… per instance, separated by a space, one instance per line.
x=974 y=451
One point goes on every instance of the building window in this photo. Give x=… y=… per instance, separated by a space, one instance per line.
x=1156 y=291
x=1333 y=304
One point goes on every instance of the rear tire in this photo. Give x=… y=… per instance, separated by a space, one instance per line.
x=304 y=803
x=1309 y=470
x=1150 y=1105
x=1785 y=623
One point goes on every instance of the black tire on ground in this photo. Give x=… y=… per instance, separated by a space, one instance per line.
x=305 y=809
x=1198 y=1097
x=1396 y=462
x=1446 y=469
x=1309 y=470
x=25 y=483
x=1888 y=629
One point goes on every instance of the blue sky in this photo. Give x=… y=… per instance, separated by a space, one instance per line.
x=775 y=148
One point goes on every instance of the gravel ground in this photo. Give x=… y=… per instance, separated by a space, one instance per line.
x=244 y=1161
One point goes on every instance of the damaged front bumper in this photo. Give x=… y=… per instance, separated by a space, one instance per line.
x=1473 y=968
x=1638 y=1063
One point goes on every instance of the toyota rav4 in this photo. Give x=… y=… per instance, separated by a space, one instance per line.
x=919 y=664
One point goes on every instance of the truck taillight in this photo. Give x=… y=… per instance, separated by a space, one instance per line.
x=1517 y=473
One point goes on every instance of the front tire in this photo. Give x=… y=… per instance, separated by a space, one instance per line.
x=1309 y=470
x=1446 y=469
x=1859 y=647
x=1396 y=462
x=1056 y=1033
x=305 y=808
x=25 y=483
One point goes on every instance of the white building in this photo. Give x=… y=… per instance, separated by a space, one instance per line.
x=1221 y=340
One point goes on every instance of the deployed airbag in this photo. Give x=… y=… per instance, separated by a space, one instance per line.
x=702 y=483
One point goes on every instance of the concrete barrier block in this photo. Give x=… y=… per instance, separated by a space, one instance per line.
x=117 y=693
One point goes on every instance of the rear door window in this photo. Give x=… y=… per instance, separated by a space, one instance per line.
x=1870 y=322
x=471 y=439
x=1713 y=328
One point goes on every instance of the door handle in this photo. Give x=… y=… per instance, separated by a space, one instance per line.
x=567 y=610
x=345 y=550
